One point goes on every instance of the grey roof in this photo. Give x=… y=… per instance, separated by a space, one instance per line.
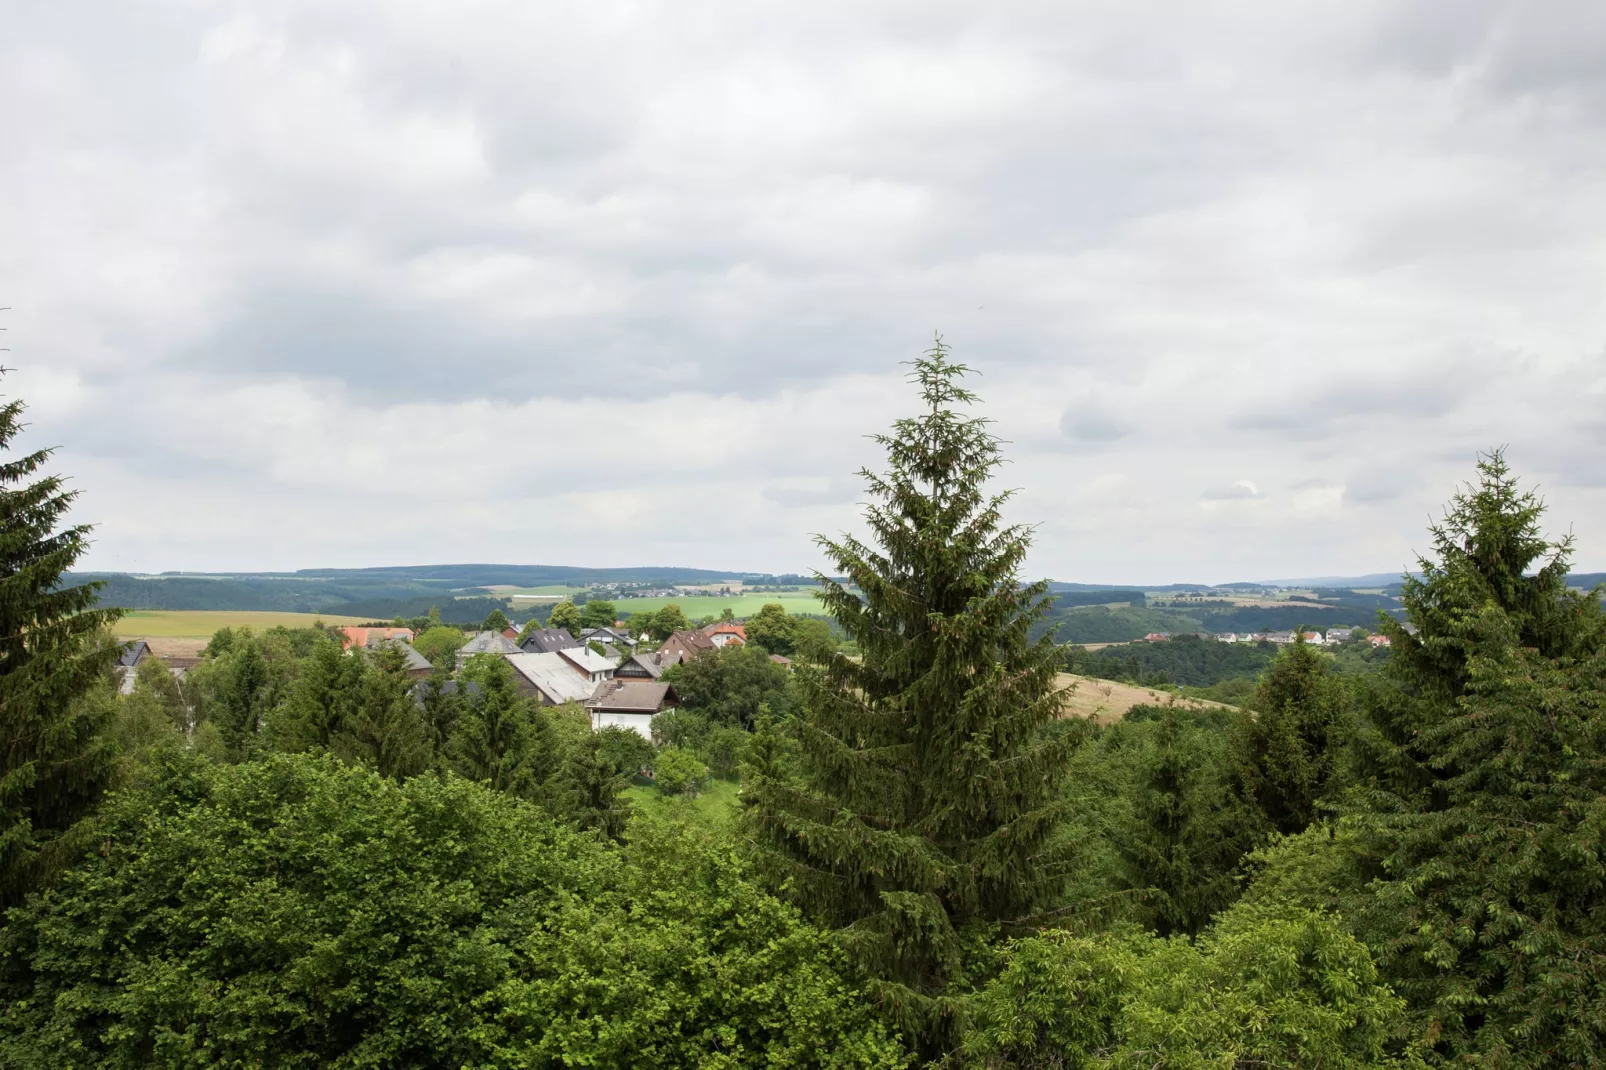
x=554 y=677
x=633 y=696
x=587 y=660
x=487 y=643
x=132 y=652
x=606 y=636
x=548 y=640
x=649 y=661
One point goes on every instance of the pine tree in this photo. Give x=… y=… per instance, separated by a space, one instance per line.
x=386 y=728
x=1485 y=793
x=1185 y=834
x=1285 y=744
x=501 y=740
x=929 y=795
x=594 y=786
x=55 y=759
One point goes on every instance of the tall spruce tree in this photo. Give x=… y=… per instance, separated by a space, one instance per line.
x=929 y=794
x=1484 y=793
x=55 y=759
x=1286 y=743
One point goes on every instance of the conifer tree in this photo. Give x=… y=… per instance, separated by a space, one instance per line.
x=500 y=739
x=55 y=759
x=929 y=794
x=386 y=728
x=595 y=786
x=1285 y=743
x=1185 y=833
x=1485 y=793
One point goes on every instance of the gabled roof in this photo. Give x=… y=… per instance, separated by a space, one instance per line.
x=413 y=658
x=132 y=653
x=648 y=660
x=552 y=675
x=548 y=641
x=367 y=637
x=633 y=696
x=586 y=660
x=691 y=640
x=487 y=643
x=726 y=627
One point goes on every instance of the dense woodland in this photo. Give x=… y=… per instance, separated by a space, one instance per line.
x=297 y=856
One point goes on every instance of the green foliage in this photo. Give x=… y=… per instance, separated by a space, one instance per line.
x=599 y=614
x=593 y=782
x=1259 y=990
x=503 y=740
x=439 y=644
x=1187 y=660
x=729 y=685
x=495 y=621
x=566 y=615
x=773 y=628
x=295 y=912
x=678 y=772
x=1285 y=746
x=929 y=797
x=667 y=621
x=1185 y=831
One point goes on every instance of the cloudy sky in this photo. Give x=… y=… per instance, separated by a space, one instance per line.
x=304 y=284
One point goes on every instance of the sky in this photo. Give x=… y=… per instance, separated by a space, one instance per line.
x=1246 y=285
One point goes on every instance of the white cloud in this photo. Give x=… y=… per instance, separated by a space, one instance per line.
x=613 y=283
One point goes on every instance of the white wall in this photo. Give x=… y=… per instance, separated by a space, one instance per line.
x=640 y=723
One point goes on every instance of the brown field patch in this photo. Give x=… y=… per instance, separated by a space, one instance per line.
x=1105 y=700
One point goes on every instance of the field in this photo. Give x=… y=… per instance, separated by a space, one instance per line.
x=743 y=605
x=552 y=593
x=1106 y=700
x=200 y=624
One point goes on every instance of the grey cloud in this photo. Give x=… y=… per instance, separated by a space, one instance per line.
x=1242 y=490
x=1084 y=426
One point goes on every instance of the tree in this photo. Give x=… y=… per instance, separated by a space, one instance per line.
x=667 y=621
x=387 y=729
x=594 y=776
x=730 y=684
x=495 y=621
x=54 y=648
x=1184 y=835
x=298 y=912
x=1285 y=744
x=638 y=625
x=566 y=615
x=678 y=772
x=599 y=614
x=930 y=795
x=439 y=643
x=773 y=629
x=1482 y=770
x=502 y=740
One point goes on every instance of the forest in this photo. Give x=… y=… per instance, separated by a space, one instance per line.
x=297 y=856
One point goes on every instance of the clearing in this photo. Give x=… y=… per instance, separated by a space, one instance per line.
x=201 y=623
x=714 y=807
x=1105 y=700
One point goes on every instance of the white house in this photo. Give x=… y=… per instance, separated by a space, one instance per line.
x=630 y=704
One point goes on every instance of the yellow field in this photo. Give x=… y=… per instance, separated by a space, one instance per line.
x=1106 y=700
x=200 y=624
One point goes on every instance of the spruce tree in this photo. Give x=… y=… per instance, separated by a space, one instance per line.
x=1285 y=744
x=1484 y=797
x=593 y=788
x=55 y=759
x=501 y=739
x=929 y=794
x=1185 y=833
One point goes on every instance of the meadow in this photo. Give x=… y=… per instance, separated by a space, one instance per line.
x=743 y=605
x=201 y=623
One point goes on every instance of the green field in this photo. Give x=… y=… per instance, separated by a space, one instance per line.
x=200 y=624
x=713 y=807
x=743 y=605
x=550 y=593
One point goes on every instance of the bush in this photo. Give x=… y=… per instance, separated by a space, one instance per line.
x=679 y=772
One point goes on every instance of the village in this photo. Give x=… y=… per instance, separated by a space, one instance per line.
x=1329 y=637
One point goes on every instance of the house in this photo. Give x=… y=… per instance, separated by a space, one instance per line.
x=1156 y=637
x=549 y=677
x=486 y=643
x=366 y=637
x=548 y=641
x=725 y=632
x=588 y=663
x=607 y=637
x=1226 y=637
x=785 y=663
x=683 y=646
x=1280 y=638
x=418 y=666
x=630 y=704
x=1312 y=637
x=510 y=632
x=1339 y=635
x=648 y=665
x=128 y=659
x=1378 y=640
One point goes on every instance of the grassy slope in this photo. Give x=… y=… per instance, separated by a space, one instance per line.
x=200 y=624
x=713 y=807
x=1090 y=700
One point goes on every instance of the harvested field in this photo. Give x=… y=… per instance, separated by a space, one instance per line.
x=200 y=624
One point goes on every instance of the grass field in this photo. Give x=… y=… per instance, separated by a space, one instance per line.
x=1106 y=700
x=200 y=624
x=743 y=605
x=552 y=593
x=713 y=807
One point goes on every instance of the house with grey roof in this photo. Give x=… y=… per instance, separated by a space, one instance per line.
x=630 y=704
x=645 y=665
x=549 y=678
x=486 y=643
x=588 y=663
x=548 y=641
